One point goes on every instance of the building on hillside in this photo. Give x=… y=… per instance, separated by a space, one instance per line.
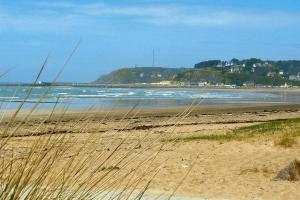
x=285 y=85
x=266 y=64
x=249 y=84
x=235 y=69
x=199 y=84
x=258 y=65
x=220 y=65
x=281 y=72
x=228 y=64
x=202 y=84
x=229 y=86
x=156 y=76
x=294 y=77
x=165 y=83
x=184 y=84
x=271 y=74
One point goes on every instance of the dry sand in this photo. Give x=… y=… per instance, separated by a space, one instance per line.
x=220 y=170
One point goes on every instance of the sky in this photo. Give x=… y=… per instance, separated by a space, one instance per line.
x=123 y=33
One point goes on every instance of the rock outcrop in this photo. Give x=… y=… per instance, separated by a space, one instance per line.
x=290 y=172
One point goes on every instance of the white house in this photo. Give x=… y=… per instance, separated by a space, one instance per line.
x=293 y=78
x=281 y=72
x=235 y=69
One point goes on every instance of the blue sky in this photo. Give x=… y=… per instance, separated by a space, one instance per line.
x=119 y=33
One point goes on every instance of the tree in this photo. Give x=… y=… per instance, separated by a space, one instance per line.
x=209 y=63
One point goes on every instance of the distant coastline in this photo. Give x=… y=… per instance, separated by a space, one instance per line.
x=155 y=85
x=251 y=72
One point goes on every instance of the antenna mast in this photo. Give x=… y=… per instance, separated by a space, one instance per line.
x=153 y=58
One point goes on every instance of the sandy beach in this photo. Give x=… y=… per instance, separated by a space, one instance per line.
x=215 y=169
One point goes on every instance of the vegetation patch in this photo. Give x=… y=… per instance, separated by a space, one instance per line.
x=265 y=171
x=249 y=170
x=287 y=130
x=286 y=141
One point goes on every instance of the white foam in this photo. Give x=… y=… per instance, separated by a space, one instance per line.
x=63 y=93
x=9 y=97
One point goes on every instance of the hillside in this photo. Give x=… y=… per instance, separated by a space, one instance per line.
x=254 y=71
x=200 y=75
x=140 y=75
x=251 y=72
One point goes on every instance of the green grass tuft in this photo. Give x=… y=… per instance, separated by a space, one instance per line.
x=289 y=127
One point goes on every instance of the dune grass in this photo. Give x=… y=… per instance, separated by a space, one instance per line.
x=283 y=131
x=59 y=166
x=56 y=165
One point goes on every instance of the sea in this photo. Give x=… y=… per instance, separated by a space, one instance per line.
x=107 y=98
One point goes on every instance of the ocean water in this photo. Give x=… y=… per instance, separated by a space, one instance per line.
x=84 y=97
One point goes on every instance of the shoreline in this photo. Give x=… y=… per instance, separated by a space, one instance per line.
x=157 y=86
x=147 y=112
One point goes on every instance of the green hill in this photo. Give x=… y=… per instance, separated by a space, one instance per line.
x=254 y=71
x=200 y=75
x=251 y=71
x=140 y=75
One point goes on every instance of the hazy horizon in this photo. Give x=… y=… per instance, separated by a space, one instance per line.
x=114 y=34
